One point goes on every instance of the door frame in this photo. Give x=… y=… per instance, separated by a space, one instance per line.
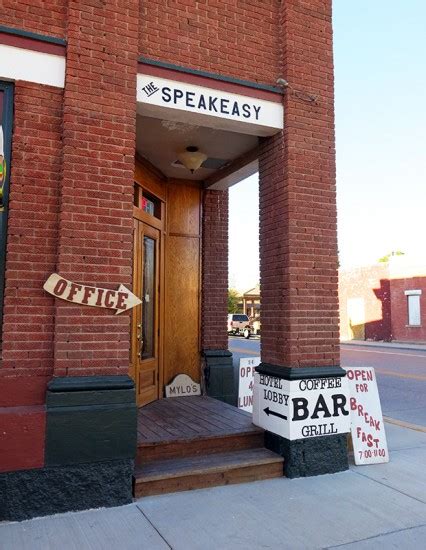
x=158 y=192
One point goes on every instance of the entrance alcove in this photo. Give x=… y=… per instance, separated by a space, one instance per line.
x=177 y=241
x=168 y=245
x=180 y=273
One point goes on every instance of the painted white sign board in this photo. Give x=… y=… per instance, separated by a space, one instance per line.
x=246 y=381
x=182 y=385
x=367 y=428
x=39 y=67
x=299 y=409
x=120 y=300
x=195 y=104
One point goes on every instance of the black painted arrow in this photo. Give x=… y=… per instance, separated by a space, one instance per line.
x=268 y=412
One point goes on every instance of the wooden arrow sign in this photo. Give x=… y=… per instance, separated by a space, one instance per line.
x=120 y=300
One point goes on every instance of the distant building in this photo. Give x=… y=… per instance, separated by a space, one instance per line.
x=251 y=306
x=385 y=301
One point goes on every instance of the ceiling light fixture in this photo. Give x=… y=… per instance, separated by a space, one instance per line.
x=192 y=158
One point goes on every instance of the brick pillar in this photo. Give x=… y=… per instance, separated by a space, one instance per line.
x=298 y=234
x=95 y=237
x=214 y=303
x=215 y=271
x=91 y=409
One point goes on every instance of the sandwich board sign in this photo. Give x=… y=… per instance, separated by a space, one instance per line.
x=246 y=381
x=367 y=428
x=299 y=409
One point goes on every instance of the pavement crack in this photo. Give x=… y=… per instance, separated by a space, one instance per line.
x=154 y=527
x=374 y=537
x=389 y=487
x=412 y=448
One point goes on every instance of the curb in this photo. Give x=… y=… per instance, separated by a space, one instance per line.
x=387 y=345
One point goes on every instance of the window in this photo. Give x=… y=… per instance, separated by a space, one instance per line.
x=6 y=115
x=146 y=202
x=240 y=318
x=413 y=307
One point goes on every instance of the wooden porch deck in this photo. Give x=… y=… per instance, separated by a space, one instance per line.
x=189 y=418
x=192 y=442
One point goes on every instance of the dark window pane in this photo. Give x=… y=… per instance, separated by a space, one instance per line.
x=148 y=206
x=148 y=299
x=2 y=152
x=240 y=318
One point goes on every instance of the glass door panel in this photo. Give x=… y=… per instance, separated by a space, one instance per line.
x=148 y=299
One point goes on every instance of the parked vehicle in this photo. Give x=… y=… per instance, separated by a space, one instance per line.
x=239 y=325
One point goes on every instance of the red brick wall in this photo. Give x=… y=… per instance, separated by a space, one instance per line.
x=27 y=347
x=214 y=305
x=22 y=437
x=239 y=38
x=32 y=230
x=41 y=16
x=371 y=288
x=298 y=239
x=400 y=330
x=95 y=245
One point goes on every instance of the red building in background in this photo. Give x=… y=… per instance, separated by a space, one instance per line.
x=383 y=302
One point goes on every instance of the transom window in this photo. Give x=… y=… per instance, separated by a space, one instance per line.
x=146 y=201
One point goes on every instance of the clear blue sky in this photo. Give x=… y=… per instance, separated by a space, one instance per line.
x=380 y=79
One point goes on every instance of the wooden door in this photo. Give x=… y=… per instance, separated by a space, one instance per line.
x=146 y=322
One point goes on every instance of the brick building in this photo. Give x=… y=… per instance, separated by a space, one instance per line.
x=106 y=108
x=384 y=301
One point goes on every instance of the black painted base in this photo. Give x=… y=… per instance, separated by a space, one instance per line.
x=220 y=376
x=91 y=438
x=31 y=493
x=310 y=457
x=90 y=419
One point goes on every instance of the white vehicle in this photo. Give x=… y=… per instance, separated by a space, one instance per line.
x=239 y=325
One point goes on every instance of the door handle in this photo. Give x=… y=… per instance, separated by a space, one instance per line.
x=140 y=349
x=140 y=345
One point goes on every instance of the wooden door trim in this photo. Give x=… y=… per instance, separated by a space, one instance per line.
x=161 y=303
x=158 y=224
x=155 y=364
x=134 y=321
x=150 y=178
x=148 y=219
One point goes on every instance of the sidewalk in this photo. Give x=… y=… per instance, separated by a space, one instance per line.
x=398 y=345
x=368 y=507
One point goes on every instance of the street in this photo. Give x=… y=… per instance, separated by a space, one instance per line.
x=401 y=375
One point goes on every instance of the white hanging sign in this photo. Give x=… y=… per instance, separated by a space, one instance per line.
x=120 y=300
x=299 y=409
x=228 y=111
x=367 y=428
x=246 y=382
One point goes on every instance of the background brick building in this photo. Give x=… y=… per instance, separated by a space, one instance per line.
x=383 y=302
